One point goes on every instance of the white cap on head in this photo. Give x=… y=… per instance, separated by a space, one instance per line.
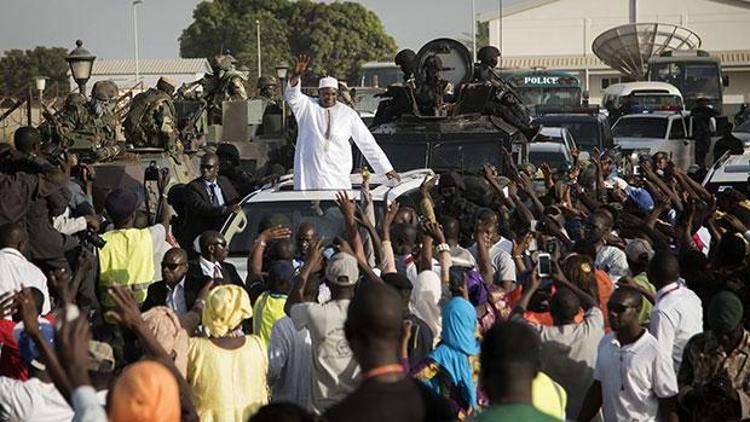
x=328 y=82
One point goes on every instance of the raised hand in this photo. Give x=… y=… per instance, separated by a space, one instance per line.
x=427 y=185
x=29 y=312
x=391 y=214
x=314 y=254
x=164 y=177
x=346 y=205
x=126 y=312
x=300 y=65
x=275 y=233
x=434 y=230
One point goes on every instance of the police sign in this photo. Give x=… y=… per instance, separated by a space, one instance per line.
x=541 y=80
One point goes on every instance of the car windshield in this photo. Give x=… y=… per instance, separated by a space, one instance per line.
x=744 y=127
x=367 y=102
x=325 y=215
x=692 y=79
x=586 y=133
x=640 y=128
x=552 y=158
x=657 y=101
x=550 y=96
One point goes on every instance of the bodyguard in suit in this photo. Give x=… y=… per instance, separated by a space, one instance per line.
x=170 y=291
x=209 y=199
x=209 y=265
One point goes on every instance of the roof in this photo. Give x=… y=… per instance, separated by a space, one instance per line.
x=151 y=66
x=513 y=8
x=729 y=58
x=734 y=169
x=552 y=131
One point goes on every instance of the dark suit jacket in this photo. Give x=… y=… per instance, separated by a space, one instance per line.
x=156 y=296
x=195 y=280
x=200 y=213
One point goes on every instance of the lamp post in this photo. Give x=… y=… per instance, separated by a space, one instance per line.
x=281 y=72
x=40 y=82
x=135 y=40
x=257 y=35
x=81 y=61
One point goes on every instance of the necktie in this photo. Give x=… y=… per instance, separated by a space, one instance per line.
x=328 y=126
x=214 y=195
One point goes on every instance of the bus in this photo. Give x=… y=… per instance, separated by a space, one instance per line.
x=546 y=88
x=694 y=72
x=379 y=74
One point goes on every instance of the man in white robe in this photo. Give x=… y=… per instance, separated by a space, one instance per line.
x=323 y=155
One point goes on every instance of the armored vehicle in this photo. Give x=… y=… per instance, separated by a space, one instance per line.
x=460 y=137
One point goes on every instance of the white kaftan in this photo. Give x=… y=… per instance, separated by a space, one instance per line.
x=321 y=163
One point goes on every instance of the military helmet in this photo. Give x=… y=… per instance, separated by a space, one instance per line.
x=222 y=62
x=488 y=53
x=74 y=99
x=405 y=56
x=104 y=91
x=265 y=81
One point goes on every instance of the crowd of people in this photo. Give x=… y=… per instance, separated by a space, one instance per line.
x=603 y=295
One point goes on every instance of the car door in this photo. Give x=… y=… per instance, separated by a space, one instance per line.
x=681 y=147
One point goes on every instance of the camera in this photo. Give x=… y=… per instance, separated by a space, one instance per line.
x=151 y=173
x=90 y=237
x=55 y=154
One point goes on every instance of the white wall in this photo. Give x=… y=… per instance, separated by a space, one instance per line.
x=568 y=27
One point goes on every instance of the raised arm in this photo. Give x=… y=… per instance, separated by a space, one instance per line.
x=313 y=262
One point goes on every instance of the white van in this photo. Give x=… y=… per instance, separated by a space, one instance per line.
x=651 y=96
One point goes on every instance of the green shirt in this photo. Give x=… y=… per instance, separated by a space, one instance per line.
x=515 y=413
x=644 y=317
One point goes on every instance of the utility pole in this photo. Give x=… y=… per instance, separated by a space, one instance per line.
x=257 y=35
x=135 y=40
x=474 y=29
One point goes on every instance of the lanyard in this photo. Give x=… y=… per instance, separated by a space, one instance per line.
x=667 y=292
x=382 y=370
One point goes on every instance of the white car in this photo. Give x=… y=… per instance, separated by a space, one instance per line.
x=561 y=135
x=650 y=133
x=730 y=172
x=316 y=206
x=552 y=153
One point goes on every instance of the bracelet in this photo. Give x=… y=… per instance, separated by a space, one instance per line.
x=260 y=242
x=443 y=247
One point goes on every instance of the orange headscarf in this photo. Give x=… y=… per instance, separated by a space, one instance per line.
x=146 y=392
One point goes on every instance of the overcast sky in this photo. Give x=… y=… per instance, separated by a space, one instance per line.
x=106 y=26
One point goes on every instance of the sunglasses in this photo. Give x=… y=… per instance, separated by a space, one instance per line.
x=171 y=265
x=222 y=244
x=618 y=308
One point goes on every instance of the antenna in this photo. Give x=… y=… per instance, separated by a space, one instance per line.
x=627 y=48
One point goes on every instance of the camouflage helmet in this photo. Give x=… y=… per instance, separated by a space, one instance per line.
x=265 y=81
x=222 y=62
x=104 y=91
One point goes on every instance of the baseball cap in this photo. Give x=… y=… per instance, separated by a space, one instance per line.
x=639 y=250
x=342 y=270
x=28 y=348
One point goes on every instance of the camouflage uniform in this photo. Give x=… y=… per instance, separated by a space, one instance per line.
x=225 y=84
x=150 y=122
x=705 y=364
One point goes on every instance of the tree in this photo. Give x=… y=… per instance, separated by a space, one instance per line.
x=19 y=67
x=339 y=37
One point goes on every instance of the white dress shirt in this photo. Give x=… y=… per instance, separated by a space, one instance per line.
x=32 y=400
x=217 y=189
x=176 y=298
x=633 y=377
x=209 y=268
x=676 y=317
x=16 y=271
x=326 y=163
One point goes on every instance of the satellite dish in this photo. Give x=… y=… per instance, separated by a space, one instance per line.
x=458 y=67
x=627 y=48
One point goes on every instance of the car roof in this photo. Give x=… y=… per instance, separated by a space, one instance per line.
x=547 y=147
x=553 y=131
x=380 y=188
x=570 y=117
x=655 y=115
x=652 y=86
x=734 y=169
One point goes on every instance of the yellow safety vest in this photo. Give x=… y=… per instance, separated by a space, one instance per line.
x=126 y=260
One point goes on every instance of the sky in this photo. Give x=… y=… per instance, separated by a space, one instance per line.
x=106 y=26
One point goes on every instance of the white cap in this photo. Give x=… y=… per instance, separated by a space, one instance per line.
x=616 y=181
x=328 y=82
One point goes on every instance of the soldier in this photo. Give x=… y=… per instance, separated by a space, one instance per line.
x=268 y=89
x=506 y=103
x=226 y=83
x=407 y=60
x=702 y=114
x=434 y=91
x=392 y=108
x=150 y=122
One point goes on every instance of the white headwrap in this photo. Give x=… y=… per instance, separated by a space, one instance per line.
x=424 y=300
x=328 y=82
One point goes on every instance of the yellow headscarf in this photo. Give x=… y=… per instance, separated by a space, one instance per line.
x=226 y=307
x=146 y=391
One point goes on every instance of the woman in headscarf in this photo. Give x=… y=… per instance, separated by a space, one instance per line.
x=425 y=297
x=227 y=370
x=165 y=325
x=452 y=369
x=146 y=391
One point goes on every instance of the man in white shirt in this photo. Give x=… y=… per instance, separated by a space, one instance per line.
x=609 y=259
x=678 y=313
x=323 y=156
x=16 y=270
x=334 y=370
x=633 y=377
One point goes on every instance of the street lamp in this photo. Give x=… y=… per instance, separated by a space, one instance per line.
x=81 y=61
x=135 y=40
x=40 y=82
x=281 y=70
